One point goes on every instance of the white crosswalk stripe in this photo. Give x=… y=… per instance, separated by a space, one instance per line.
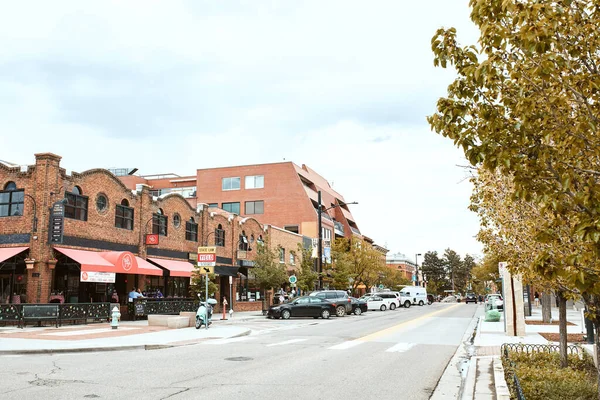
x=287 y=342
x=230 y=340
x=346 y=345
x=400 y=348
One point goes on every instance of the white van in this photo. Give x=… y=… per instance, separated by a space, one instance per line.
x=413 y=295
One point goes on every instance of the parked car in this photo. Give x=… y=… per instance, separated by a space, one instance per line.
x=339 y=297
x=413 y=295
x=377 y=303
x=471 y=298
x=394 y=299
x=305 y=306
x=430 y=299
x=358 y=306
x=494 y=301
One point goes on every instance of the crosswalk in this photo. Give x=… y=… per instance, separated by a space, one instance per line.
x=400 y=347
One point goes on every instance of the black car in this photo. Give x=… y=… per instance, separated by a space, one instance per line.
x=338 y=297
x=358 y=306
x=306 y=306
x=471 y=298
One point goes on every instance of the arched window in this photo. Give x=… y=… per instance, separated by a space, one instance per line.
x=77 y=204
x=220 y=236
x=124 y=215
x=243 y=241
x=260 y=240
x=159 y=223
x=11 y=200
x=191 y=230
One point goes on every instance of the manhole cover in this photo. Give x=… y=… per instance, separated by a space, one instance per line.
x=238 y=359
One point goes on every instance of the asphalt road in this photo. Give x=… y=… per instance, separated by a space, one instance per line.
x=397 y=354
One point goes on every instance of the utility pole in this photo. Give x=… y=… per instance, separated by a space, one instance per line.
x=320 y=245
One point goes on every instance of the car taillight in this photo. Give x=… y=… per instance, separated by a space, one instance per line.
x=349 y=301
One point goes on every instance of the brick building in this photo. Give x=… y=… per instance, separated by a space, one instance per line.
x=104 y=232
x=402 y=264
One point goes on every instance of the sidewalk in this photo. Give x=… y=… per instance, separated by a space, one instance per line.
x=129 y=336
x=481 y=377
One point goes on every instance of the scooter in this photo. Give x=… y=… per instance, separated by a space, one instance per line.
x=204 y=313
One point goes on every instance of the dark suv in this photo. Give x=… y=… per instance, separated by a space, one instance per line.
x=343 y=304
x=471 y=298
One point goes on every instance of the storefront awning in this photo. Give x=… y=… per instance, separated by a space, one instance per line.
x=8 y=252
x=224 y=270
x=89 y=260
x=144 y=267
x=176 y=268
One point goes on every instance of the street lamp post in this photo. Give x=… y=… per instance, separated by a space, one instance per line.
x=320 y=245
x=35 y=220
x=417 y=269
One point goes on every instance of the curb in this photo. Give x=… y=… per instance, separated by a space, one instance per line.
x=452 y=382
x=502 y=392
x=118 y=348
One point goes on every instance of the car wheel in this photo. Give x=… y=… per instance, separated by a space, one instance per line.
x=285 y=314
x=421 y=303
x=393 y=306
x=198 y=323
x=357 y=311
x=407 y=304
x=325 y=314
x=340 y=311
x=383 y=307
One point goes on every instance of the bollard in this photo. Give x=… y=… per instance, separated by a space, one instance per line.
x=115 y=318
x=224 y=309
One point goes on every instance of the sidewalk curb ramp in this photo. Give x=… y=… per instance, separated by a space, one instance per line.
x=119 y=348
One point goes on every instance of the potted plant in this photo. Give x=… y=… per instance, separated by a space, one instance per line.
x=52 y=263
x=29 y=262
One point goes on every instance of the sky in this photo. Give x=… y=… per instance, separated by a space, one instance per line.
x=174 y=86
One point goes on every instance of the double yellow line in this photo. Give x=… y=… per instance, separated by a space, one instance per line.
x=401 y=325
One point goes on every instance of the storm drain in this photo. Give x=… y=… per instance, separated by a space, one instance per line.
x=239 y=359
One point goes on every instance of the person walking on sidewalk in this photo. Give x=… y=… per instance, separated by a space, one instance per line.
x=536 y=298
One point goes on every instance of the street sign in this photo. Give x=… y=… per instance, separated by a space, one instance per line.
x=207 y=256
x=293 y=279
x=502 y=267
x=381 y=286
x=414 y=278
x=207 y=270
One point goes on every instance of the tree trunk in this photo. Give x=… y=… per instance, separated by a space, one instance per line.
x=546 y=307
x=597 y=350
x=562 y=329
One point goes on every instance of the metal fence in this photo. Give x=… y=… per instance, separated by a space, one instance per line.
x=69 y=312
x=143 y=307
x=530 y=349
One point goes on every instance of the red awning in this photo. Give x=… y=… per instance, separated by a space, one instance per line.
x=176 y=268
x=89 y=260
x=8 y=252
x=144 y=267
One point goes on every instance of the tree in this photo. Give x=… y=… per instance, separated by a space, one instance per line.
x=433 y=268
x=393 y=279
x=198 y=285
x=268 y=271
x=356 y=262
x=307 y=276
x=529 y=107
x=453 y=265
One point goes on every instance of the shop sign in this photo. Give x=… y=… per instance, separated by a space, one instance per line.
x=207 y=256
x=246 y=263
x=152 y=239
x=97 y=277
x=57 y=218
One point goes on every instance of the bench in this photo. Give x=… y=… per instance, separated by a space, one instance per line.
x=178 y=322
x=158 y=320
x=40 y=312
x=189 y=314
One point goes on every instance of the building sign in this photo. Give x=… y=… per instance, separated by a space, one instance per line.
x=152 y=239
x=127 y=262
x=207 y=256
x=97 y=277
x=242 y=255
x=57 y=222
x=246 y=263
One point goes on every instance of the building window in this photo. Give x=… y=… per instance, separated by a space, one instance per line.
x=11 y=200
x=326 y=233
x=230 y=183
x=159 y=223
x=176 y=220
x=213 y=205
x=281 y=255
x=101 y=202
x=124 y=216
x=243 y=242
x=255 y=207
x=220 y=236
x=292 y=258
x=77 y=205
x=191 y=230
x=255 y=182
x=291 y=228
x=232 y=207
x=260 y=240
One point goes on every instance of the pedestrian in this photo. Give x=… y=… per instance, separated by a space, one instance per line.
x=536 y=298
x=281 y=298
x=115 y=297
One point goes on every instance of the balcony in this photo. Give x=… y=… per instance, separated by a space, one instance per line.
x=338 y=228
x=355 y=230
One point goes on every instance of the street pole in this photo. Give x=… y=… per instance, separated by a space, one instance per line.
x=207 y=305
x=417 y=269
x=320 y=249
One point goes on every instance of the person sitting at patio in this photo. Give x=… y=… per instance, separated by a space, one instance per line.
x=134 y=294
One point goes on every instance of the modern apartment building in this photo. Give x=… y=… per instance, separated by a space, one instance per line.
x=280 y=194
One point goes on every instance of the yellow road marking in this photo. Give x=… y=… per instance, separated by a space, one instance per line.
x=395 y=328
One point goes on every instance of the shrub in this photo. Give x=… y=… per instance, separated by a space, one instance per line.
x=541 y=377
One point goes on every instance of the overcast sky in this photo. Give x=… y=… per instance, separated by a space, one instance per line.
x=173 y=86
